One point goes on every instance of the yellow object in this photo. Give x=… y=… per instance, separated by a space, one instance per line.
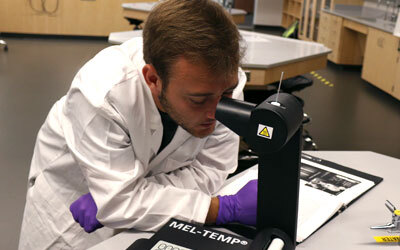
x=385 y=239
x=264 y=132
x=397 y=212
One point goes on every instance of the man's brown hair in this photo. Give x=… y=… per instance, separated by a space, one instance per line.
x=199 y=30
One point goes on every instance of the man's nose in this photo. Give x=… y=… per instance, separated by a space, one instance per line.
x=212 y=107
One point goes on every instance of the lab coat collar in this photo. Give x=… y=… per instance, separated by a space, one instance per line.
x=156 y=127
x=155 y=123
x=155 y=118
x=179 y=138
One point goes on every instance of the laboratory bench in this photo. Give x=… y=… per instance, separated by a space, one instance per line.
x=266 y=56
x=360 y=35
x=350 y=230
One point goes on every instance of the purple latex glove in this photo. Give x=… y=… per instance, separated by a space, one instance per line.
x=241 y=207
x=84 y=211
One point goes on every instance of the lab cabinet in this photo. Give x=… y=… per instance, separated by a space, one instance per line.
x=58 y=17
x=381 y=61
x=329 y=34
x=353 y=43
x=310 y=15
x=346 y=38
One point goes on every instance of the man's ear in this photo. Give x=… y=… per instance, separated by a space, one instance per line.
x=152 y=79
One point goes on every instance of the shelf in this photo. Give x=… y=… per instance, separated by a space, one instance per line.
x=291 y=12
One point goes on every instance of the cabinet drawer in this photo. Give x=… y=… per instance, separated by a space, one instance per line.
x=360 y=28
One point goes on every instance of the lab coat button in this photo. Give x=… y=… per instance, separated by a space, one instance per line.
x=32 y=181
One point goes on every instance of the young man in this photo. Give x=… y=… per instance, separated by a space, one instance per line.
x=135 y=141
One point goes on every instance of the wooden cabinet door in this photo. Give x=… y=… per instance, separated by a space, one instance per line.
x=380 y=59
x=335 y=38
x=329 y=34
x=323 y=28
x=71 y=17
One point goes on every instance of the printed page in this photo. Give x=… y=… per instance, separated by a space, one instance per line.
x=323 y=191
x=346 y=187
x=315 y=208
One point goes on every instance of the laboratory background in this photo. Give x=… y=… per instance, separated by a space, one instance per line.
x=339 y=57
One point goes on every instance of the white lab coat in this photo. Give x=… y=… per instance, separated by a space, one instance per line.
x=103 y=138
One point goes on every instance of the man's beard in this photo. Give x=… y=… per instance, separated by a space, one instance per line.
x=175 y=115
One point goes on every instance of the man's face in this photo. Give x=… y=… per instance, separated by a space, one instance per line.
x=192 y=94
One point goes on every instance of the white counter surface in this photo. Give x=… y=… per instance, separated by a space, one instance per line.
x=267 y=51
x=372 y=17
x=263 y=51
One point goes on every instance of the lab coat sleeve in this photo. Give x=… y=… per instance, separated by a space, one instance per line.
x=115 y=177
x=99 y=141
x=211 y=166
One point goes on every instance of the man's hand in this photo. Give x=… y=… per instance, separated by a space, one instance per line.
x=241 y=207
x=84 y=211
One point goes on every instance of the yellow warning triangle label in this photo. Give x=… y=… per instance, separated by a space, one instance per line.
x=264 y=132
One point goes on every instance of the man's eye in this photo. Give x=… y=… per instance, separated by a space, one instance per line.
x=198 y=101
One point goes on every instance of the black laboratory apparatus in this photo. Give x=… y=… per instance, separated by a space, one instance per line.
x=273 y=131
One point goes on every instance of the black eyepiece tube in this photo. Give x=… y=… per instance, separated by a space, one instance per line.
x=234 y=114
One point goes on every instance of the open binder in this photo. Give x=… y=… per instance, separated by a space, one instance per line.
x=326 y=188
